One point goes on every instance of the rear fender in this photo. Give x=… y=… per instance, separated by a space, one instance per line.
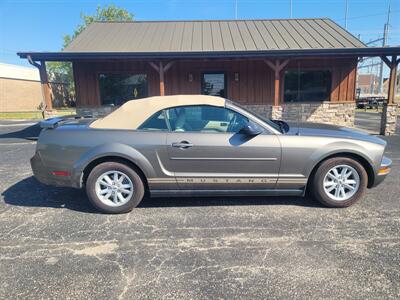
x=113 y=149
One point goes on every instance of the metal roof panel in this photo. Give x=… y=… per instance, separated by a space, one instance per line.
x=212 y=35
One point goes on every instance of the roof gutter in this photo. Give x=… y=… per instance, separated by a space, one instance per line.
x=69 y=56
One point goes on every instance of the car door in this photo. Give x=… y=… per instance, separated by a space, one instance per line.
x=207 y=150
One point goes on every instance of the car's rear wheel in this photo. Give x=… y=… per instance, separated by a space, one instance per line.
x=339 y=182
x=113 y=187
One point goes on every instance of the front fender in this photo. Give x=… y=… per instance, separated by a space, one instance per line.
x=336 y=148
x=111 y=149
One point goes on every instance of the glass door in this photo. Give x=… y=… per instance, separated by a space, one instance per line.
x=213 y=84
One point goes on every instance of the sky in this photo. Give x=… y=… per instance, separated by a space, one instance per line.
x=39 y=25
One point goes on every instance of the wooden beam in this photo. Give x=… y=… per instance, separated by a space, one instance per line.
x=386 y=61
x=392 y=80
x=277 y=67
x=168 y=65
x=154 y=66
x=45 y=86
x=161 y=70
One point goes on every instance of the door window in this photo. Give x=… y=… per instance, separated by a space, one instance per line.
x=205 y=118
x=155 y=123
x=213 y=84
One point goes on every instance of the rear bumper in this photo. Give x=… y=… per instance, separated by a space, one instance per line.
x=383 y=171
x=45 y=175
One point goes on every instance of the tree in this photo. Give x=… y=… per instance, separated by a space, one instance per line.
x=63 y=70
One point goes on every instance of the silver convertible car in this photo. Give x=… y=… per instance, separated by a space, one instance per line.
x=192 y=145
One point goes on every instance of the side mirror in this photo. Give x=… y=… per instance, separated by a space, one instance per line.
x=251 y=129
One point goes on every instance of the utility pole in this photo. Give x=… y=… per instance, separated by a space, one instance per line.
x=384 y=43
x=236 y=9
x=345 y=14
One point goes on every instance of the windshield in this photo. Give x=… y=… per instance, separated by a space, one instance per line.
x=264 y=119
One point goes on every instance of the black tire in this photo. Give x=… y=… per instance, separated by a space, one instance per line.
x=135 y=198
x=317 y=182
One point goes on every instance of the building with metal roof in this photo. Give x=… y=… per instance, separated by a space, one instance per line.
x=291 y=68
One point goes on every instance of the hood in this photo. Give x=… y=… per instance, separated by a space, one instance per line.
x=326 y=130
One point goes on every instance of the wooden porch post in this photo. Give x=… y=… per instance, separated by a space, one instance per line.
x=277 y=68
x=45 y=86
x=392 y=80
x=161 y=70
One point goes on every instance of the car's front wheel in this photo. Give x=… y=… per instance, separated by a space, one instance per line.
x=113 y=187
x=339 y=182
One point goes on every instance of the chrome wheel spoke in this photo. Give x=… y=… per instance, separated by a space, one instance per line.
x=331 y=176
x=103 y=182
x=349 y=187
x=108 y=179
x=337 y=191
x=120 y=197
x=115 y=197
x=331 y=188
x=107 y=196
x=105 y=191
x=329 y=183
x=124 y=191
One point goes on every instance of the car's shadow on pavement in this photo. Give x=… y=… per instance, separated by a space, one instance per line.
x=31 y=193
x=29 y=133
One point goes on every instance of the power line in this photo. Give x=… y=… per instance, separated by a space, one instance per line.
x=367 y=16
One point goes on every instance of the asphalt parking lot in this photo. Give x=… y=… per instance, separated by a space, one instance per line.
x=53 y=244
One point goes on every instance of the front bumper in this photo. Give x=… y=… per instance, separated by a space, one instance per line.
x=383 y=171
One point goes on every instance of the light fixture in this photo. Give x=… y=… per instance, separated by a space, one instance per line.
x=190 y=77
x=236 y=76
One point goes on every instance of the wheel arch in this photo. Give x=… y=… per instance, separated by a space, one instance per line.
x=111 y=152
x=112 y=158
x=355 y=156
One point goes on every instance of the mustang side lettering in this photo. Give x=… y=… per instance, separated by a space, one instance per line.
x=192 y=145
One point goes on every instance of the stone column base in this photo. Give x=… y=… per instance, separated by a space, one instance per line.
x=389 y=119
x=276 y=112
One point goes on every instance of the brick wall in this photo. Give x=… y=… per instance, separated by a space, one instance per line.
x=19 y=95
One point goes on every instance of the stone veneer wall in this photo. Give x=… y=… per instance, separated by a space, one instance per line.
x=389 y=119
x=326 y=112
x=100 y=111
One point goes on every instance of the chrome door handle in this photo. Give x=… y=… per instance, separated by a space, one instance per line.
x=183 y=145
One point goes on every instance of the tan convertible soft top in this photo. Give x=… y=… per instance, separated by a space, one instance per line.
x=133 y=113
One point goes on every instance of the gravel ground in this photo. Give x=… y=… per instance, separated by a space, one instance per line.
x=53 y=244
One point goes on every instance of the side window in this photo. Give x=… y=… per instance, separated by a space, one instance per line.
x=155 y=123
x=205 y=118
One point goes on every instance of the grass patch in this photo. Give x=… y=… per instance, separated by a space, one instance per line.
x=34 y=114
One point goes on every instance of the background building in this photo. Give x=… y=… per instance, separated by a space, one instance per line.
x=20 y=88
x=296 y=69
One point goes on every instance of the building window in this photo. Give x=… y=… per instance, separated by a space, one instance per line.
x=213 y=84
x=307 y=85
x=116 y=89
